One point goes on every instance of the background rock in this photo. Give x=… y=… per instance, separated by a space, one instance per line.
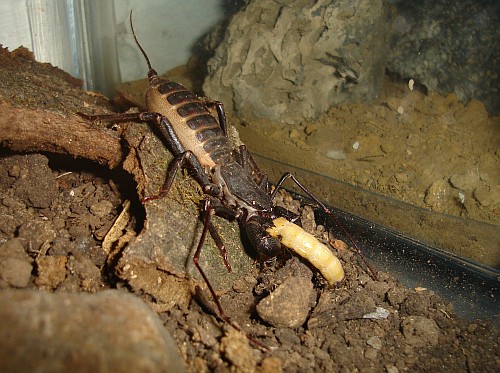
x=291 y=61
x=450 y=47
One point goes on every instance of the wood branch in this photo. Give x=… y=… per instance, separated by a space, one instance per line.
x=31 y=130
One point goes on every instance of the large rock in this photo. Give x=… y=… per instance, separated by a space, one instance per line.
x=106 y=332
x=450 y=47
x=290 y=61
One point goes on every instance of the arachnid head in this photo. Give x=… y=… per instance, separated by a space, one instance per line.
x=261 y=240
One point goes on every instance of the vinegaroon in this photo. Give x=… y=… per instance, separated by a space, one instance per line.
x=233 y=185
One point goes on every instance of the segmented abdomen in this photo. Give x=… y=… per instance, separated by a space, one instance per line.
x=194 y=125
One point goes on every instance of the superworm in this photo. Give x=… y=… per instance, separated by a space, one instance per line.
x=307 y=246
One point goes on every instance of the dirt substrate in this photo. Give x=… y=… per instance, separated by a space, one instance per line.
x=55 y=217
x=421 y=148
x=54 y=221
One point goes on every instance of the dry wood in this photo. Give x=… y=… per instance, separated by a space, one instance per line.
x=29 y=130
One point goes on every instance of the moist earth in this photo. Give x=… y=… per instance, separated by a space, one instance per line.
x=52 y=241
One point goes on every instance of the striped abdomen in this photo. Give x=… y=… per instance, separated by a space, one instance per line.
x=193 y=124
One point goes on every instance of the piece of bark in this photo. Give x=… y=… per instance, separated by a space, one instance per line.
x=38 y=106
x=29 y=130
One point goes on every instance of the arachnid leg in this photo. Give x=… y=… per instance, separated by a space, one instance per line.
x=288 y=175
x=221 y=114
x=122 y=117
x=220 y=245
x=209 y=211
x=174 y=166
x=246 y=161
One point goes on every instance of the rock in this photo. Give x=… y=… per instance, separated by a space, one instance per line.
x=15 y=265
x=488 y=196
x=37 y=233
x=85 y=271
x=449 y=47
x=415 y=304
x=396 y=296
x=51 y=270
x=109 y=331
x=436 y=195
x=374 y=342
x=292 y=61
x=371 y=353
x=238 y=351
x=270 y=364
x=288 y=305
x=14 y=248
x=466 y=181
x=102 y=208
x=15 y=272
x=420 y=331
x=401 y=177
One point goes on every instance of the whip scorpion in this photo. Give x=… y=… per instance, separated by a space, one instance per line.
x=233 y=185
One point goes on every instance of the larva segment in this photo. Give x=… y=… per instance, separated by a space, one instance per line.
x=308 y=247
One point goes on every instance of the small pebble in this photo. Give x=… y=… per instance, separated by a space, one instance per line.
x=375 y=342
x=371 y=353
x=294 y=134
x=238 y=351
x=51 y=270
x=101 y=209
x=487 y=196
x=401 y=177
x=411 y=84
x=335 y=154
x=435 y=196
x=466 y=181
x=391 y=369
x=15 y=272
x=288 y=305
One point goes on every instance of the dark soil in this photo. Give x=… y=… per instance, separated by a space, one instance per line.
x=54 y=221
x=56 y=215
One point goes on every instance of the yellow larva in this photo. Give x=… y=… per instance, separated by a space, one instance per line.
x=308 y=247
